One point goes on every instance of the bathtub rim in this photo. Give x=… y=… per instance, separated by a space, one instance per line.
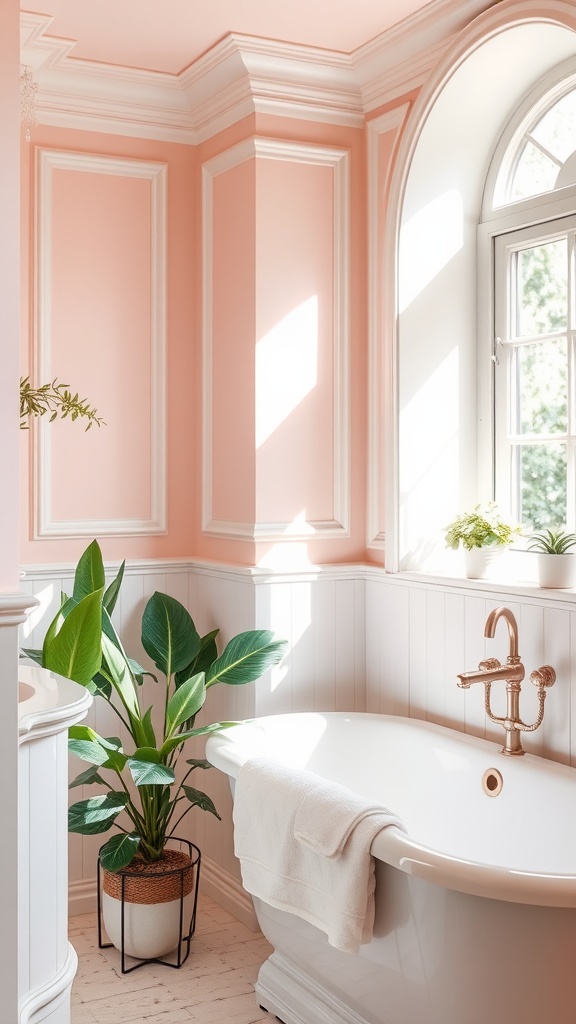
x=399 y=850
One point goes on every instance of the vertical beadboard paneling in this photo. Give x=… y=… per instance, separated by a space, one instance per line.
x=324 y=644
x=555 y=729
x=531 y=649
x=417 y=652
x=395 y=651
x=344 y=625
x=454 y=646
x=435 y=648
x=360 y=645
x=302 y=646
x=474 y=652
x=374 y=590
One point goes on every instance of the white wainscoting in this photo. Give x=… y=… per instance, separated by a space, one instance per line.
x=421 y=633
x=359 y=640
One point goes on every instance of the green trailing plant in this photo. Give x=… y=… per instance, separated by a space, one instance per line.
x=482 y=527
x=55 y=400
x=552 y=542
x=82 y=644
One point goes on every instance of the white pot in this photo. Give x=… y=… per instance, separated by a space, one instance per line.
x=152 y=904
x=479 y=561
x=150 y=930
x=557 y=572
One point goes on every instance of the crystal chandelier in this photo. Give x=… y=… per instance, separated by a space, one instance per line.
x=28 y=88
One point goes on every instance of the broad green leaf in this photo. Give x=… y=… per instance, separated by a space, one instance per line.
x=120 y=675
x=28 y=652
x=148 y=733
x=75 y=651
x=169 y=635
x=200 y=800
x=66 y=606
x=83 y=732
x=119 y=851
x=86 y=778
x=89 y=746
x=199 y=762
x=247 y=657
x=147 y=754
x=139 y=672
x=111 y=592
x=89 y=576
x=89 y=817
x=203 y=730
x=150 y=773
x=206 y=655
x=88 y=750
x=100 y=686
x=185 y=702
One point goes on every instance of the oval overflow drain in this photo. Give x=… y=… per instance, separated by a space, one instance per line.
x=492 y=782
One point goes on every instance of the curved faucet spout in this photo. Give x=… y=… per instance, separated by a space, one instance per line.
x=490 y=628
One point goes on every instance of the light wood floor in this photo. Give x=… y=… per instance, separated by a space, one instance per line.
x=214 y=986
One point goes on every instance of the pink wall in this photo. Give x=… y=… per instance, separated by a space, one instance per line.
x=272 y=251
x=295 y=334
x=294 y=257
x=101 y=339
x=232 y=343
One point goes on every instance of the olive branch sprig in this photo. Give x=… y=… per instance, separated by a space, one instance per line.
x=56 y=400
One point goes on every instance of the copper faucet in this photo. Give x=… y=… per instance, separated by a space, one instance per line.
x=513 y=673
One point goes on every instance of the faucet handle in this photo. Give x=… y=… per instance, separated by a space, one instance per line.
x=544 y=676
x=489 y=664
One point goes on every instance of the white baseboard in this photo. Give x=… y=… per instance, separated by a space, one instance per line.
x=82 y=897
x=221 y=886
x=226 y=890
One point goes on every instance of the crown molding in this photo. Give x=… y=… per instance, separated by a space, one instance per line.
x=238 y=76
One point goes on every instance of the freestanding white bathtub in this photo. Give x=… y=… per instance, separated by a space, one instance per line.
x=475 y=907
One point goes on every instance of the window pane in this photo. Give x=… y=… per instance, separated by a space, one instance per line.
x=542 y=288
x=542 y=394
x=535 y=173
x=557 y=129
x=542 y=479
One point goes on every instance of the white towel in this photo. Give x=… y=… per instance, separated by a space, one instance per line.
x=304 y=847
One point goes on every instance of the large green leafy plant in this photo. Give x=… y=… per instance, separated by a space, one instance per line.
x=82 y=644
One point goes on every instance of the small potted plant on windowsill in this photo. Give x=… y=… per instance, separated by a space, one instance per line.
x=484 y=533
x=556 y=558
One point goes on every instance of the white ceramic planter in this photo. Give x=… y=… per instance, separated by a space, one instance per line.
x=557 y=572
x=479 y=561
x=150 y=930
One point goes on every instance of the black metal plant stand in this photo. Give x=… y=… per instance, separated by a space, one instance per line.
x=195 y=857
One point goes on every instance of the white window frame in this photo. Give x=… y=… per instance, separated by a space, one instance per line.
x=503 y=224
x=506 y=246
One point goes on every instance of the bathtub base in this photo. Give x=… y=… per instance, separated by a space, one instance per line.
x=295 y=998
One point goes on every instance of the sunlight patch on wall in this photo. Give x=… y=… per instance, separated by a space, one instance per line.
x=286 y=367
x=429 y=446
x=428 y=241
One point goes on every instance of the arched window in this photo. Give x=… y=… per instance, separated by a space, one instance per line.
x=530 y=213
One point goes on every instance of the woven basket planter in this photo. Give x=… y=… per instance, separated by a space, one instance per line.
x=157 y=902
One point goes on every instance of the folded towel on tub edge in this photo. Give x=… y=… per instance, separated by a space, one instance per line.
x=304 y=847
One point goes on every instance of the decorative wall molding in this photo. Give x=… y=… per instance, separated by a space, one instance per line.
x=338 y=160
x=238 y=76
x=48 y=161
x=378 y=181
